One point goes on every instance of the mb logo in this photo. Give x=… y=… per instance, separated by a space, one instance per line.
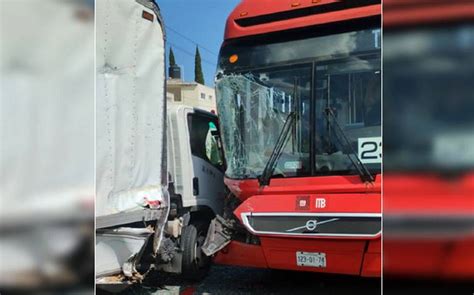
x=320 y=203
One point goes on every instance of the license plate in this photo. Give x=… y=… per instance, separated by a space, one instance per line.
x=312 y=259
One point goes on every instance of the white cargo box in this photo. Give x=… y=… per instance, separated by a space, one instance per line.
x=131 y=178
x=130 y=112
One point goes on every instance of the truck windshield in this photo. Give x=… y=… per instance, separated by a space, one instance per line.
x=260 y=83
x=428 y=95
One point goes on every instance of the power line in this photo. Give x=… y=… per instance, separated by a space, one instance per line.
x=191 y=54
x=190 y=40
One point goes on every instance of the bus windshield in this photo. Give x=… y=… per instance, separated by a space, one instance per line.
x=260 y=83
x=429 y=100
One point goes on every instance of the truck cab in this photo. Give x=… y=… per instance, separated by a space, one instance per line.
x=195 y=159
x=196 y=183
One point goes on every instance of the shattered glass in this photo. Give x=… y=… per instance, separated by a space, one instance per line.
x=301 y=73
x=254 y=109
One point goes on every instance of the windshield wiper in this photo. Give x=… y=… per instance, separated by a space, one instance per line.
x=362 y=170
x=264 y=178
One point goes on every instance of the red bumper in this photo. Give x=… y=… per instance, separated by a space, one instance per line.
x=343 y=257
x=338 y=233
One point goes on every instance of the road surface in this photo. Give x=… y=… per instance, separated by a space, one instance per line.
x=237 y=280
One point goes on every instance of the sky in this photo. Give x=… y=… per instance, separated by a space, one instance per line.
x=203 y=22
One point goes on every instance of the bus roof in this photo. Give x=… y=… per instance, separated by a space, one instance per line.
x=256 y=17
x=422 y=12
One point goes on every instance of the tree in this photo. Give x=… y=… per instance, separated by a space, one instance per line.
x=198 y=75
x=172 y=61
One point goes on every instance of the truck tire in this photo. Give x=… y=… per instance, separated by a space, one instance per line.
x=195 y=264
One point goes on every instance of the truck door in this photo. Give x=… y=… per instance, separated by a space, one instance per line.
x=208 y=160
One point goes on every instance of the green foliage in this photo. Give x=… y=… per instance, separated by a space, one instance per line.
x=172 y=60
x=198 y=75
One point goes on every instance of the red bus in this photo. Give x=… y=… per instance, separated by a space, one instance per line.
x=428 y=194
x=299 y=103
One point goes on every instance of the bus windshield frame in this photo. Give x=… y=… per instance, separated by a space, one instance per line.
x=260 y=82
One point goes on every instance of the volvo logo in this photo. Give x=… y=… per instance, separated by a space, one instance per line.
x=312 y=224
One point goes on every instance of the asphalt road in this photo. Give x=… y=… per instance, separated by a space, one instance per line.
x=237 y=280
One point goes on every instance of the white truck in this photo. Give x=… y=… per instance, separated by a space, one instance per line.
x=159 y=176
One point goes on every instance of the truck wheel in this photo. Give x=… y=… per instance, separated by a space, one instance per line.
x=195 y=264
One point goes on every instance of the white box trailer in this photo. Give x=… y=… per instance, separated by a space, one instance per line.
x=132 y=200
x=130 y=111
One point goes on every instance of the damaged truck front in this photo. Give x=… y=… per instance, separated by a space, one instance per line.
x=131 y=183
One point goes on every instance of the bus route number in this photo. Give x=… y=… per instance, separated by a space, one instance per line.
x=370 y=150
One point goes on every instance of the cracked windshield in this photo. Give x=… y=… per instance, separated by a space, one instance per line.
x=334 y=91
